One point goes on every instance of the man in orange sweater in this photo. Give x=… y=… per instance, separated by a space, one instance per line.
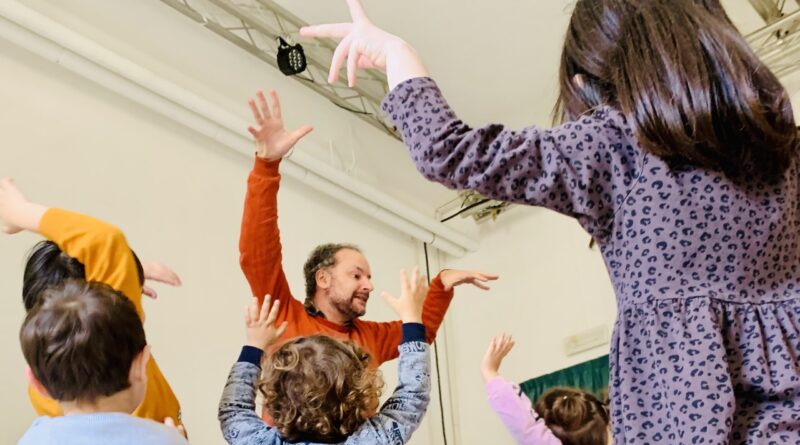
x=338 y=277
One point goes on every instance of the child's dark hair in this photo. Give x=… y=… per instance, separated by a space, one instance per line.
x=575 y=417
x=48 y=266
x=80 y=340
x=318 y=389
x=592 y=36
x=687 y=81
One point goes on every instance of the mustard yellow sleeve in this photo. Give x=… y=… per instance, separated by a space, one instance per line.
x=107 y=258
x=99 y=246
x=43 y=405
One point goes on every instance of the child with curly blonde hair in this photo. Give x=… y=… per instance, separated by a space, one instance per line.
x=321 y=390
x=343 y=392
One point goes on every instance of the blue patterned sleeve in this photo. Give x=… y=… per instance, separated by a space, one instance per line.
x=397 y=419
x=237 y=410
x=402 y=413
x=582 y=169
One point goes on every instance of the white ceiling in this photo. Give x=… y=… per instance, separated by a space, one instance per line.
x=496 y=60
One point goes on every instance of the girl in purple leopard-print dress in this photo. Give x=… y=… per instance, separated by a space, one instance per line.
x=679 y=156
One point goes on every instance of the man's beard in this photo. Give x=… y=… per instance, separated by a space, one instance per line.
x=346 y=308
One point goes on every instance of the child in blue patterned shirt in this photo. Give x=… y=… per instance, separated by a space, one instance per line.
x=321 y=390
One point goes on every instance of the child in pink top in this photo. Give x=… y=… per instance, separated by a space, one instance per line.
x=562 y=416
x=508 y=401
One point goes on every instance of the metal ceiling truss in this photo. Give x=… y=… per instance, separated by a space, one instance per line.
x=778 y=43
x=255 y=25
x=772 y=10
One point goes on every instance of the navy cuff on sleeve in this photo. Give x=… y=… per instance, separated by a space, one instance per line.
x=251 y=354
x=413 y=332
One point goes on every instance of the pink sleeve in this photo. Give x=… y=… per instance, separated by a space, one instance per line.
x=516 y=412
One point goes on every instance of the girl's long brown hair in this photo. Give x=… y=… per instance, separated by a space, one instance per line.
x=686 y=80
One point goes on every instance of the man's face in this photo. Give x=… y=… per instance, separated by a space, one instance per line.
x=350 y=284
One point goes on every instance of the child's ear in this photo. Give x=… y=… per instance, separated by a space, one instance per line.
x=37 y=385
x=139 y=366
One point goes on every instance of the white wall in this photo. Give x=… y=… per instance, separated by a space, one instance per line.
x=551 y=286
x=179 y=198
x=178 y=195
x=162 y=40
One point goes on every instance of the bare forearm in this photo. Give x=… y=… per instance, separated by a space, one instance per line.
x=403 y=63
x=489 y=374
x=29 y=216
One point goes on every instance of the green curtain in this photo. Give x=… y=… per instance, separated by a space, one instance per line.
x=590 y=376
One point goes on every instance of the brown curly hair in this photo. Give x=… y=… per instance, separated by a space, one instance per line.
x=574 y=416
x=319 y=389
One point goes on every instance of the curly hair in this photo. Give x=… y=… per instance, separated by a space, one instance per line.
x=319 y=389
x=322 y=257
x=574 y=416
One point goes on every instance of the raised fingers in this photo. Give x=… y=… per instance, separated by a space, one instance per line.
x=352 y=65
x=263 y=313
x=251 y=312
x=357 y=12
x=276 y=104
x=256 y=115
x=334 y=30
x=338 y=59
x=273 y=312
x=263 y=105
x=281 y=329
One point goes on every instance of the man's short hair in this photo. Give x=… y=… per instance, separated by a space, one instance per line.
x=80 y=340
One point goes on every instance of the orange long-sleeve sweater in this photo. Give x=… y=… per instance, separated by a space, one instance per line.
x=260 y=250
x=107 y=258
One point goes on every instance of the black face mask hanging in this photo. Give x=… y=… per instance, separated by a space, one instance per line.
x=291 y=58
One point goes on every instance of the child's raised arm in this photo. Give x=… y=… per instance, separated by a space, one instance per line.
x=498 y=348
x=507 y=400
x=363 y=46
x=101 y=247
x=237 y=416
x=402 y=413
x=16 y=212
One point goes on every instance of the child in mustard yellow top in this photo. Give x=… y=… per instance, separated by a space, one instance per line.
x=85 y=248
